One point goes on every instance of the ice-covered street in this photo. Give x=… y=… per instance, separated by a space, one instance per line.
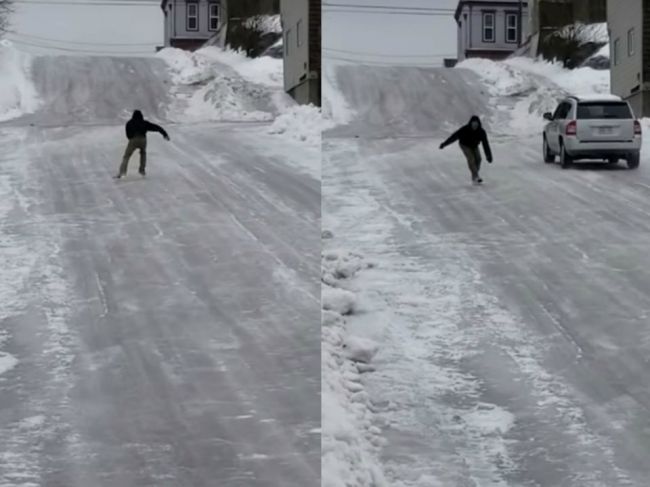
x=511 y=319
x=159 y=331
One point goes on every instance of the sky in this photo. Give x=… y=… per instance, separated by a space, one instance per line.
x=396 y=34
x=91 y=26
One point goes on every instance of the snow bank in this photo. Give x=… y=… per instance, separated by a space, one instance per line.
x=335 y=108
x=526 y=88
x=350 y=440
x=217 y=85
x=302 y=123
x=17 y=93
x=265 y=24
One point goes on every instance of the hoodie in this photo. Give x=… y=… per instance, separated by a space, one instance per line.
x=471 y=138
x=138 y=126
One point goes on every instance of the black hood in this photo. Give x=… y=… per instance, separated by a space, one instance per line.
x=137 y=115
x=475 y=119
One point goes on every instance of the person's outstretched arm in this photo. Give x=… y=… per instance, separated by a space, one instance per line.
x=152 y=127
x=486 y=147
x=454 y=137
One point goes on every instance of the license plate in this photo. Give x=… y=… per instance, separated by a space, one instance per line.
x=605 y=130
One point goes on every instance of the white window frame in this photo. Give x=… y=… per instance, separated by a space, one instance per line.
x=509 y=29
x=485 y=27
x=616 y=53
x=631 y=42
x=212 y=16
x=189 y=16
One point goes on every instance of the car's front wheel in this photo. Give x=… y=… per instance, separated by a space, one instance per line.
x=565 y=159
x=549 y=157
x=633 y=160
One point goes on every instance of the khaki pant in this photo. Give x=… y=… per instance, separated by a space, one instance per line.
x=134 y=144
x=473 y=157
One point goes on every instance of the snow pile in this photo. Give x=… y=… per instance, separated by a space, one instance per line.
x=350 y=441
x=265 y=24
x=303 y=123
x=585 y=33
x=217 y=85
x=526 y=88
x=335 y=107
x=17 y=93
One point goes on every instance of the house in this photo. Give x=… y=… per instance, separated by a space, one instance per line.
x=189 y=24
x=301 y=27
x=630 y=52
x=490 y=28
x=546 y=16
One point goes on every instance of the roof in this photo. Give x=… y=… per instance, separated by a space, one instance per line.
x=597 y=97
x=487 y=3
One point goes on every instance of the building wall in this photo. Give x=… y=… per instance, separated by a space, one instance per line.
x=626 y=73
x=471 y=26
x=176 y=16
x=295 y=26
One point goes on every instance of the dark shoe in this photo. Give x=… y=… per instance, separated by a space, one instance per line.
x=479 y=180
x=142 y=172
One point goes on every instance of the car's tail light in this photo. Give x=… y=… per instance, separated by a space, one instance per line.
x=572 y=128
x=637 y=128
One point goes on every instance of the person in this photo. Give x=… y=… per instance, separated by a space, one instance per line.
x=469 y=137
x=136 y=132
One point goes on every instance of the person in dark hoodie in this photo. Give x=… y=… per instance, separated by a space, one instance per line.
x=469 y=137
x=136 y=132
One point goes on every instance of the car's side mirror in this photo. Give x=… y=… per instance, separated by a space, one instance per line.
x=548 y=116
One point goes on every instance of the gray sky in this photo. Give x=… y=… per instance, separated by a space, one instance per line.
x=86 y=27
x=388 y=35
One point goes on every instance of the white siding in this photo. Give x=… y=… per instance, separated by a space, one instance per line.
x=177 y=18
x=295 y=16
x=626 y=72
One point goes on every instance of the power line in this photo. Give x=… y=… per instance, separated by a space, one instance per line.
x=388 y=7
x=378 y=12
x=105 y=3
x=62 y=41
x=82 y=51
x=379 y=63
x=371 y=54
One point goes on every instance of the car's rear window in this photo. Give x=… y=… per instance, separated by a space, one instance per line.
x=600 y=110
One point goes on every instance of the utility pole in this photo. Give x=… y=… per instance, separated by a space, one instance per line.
x=519 y=24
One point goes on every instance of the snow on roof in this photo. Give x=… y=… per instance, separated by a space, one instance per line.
x=598 y=97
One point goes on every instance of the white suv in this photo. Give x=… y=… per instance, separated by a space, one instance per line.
x=592 y=127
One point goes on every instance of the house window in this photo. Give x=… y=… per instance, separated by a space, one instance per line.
x=617 y=45
x=512 y=27
x=631 y=42
x=299 y=39
x=192 y=16
x=488 y=27
x=214 y=16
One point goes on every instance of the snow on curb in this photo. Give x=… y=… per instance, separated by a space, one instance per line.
x=301 y=123
x=18 y=95
x=350 y=441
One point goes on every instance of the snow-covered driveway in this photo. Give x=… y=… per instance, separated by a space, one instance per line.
x=157 y=332
x=513 y=318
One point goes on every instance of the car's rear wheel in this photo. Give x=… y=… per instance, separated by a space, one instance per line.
x=633 y=160
x=565 y=159
x=549 y=157
x=612 y=160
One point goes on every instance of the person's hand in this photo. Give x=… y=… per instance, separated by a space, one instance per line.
x=166 y=137
x=442 y=146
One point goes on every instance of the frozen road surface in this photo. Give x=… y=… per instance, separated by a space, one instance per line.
x=159 y=331
x=513 y=318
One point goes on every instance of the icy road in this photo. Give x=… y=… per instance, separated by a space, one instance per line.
x=158 y=332
x=513 y=318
